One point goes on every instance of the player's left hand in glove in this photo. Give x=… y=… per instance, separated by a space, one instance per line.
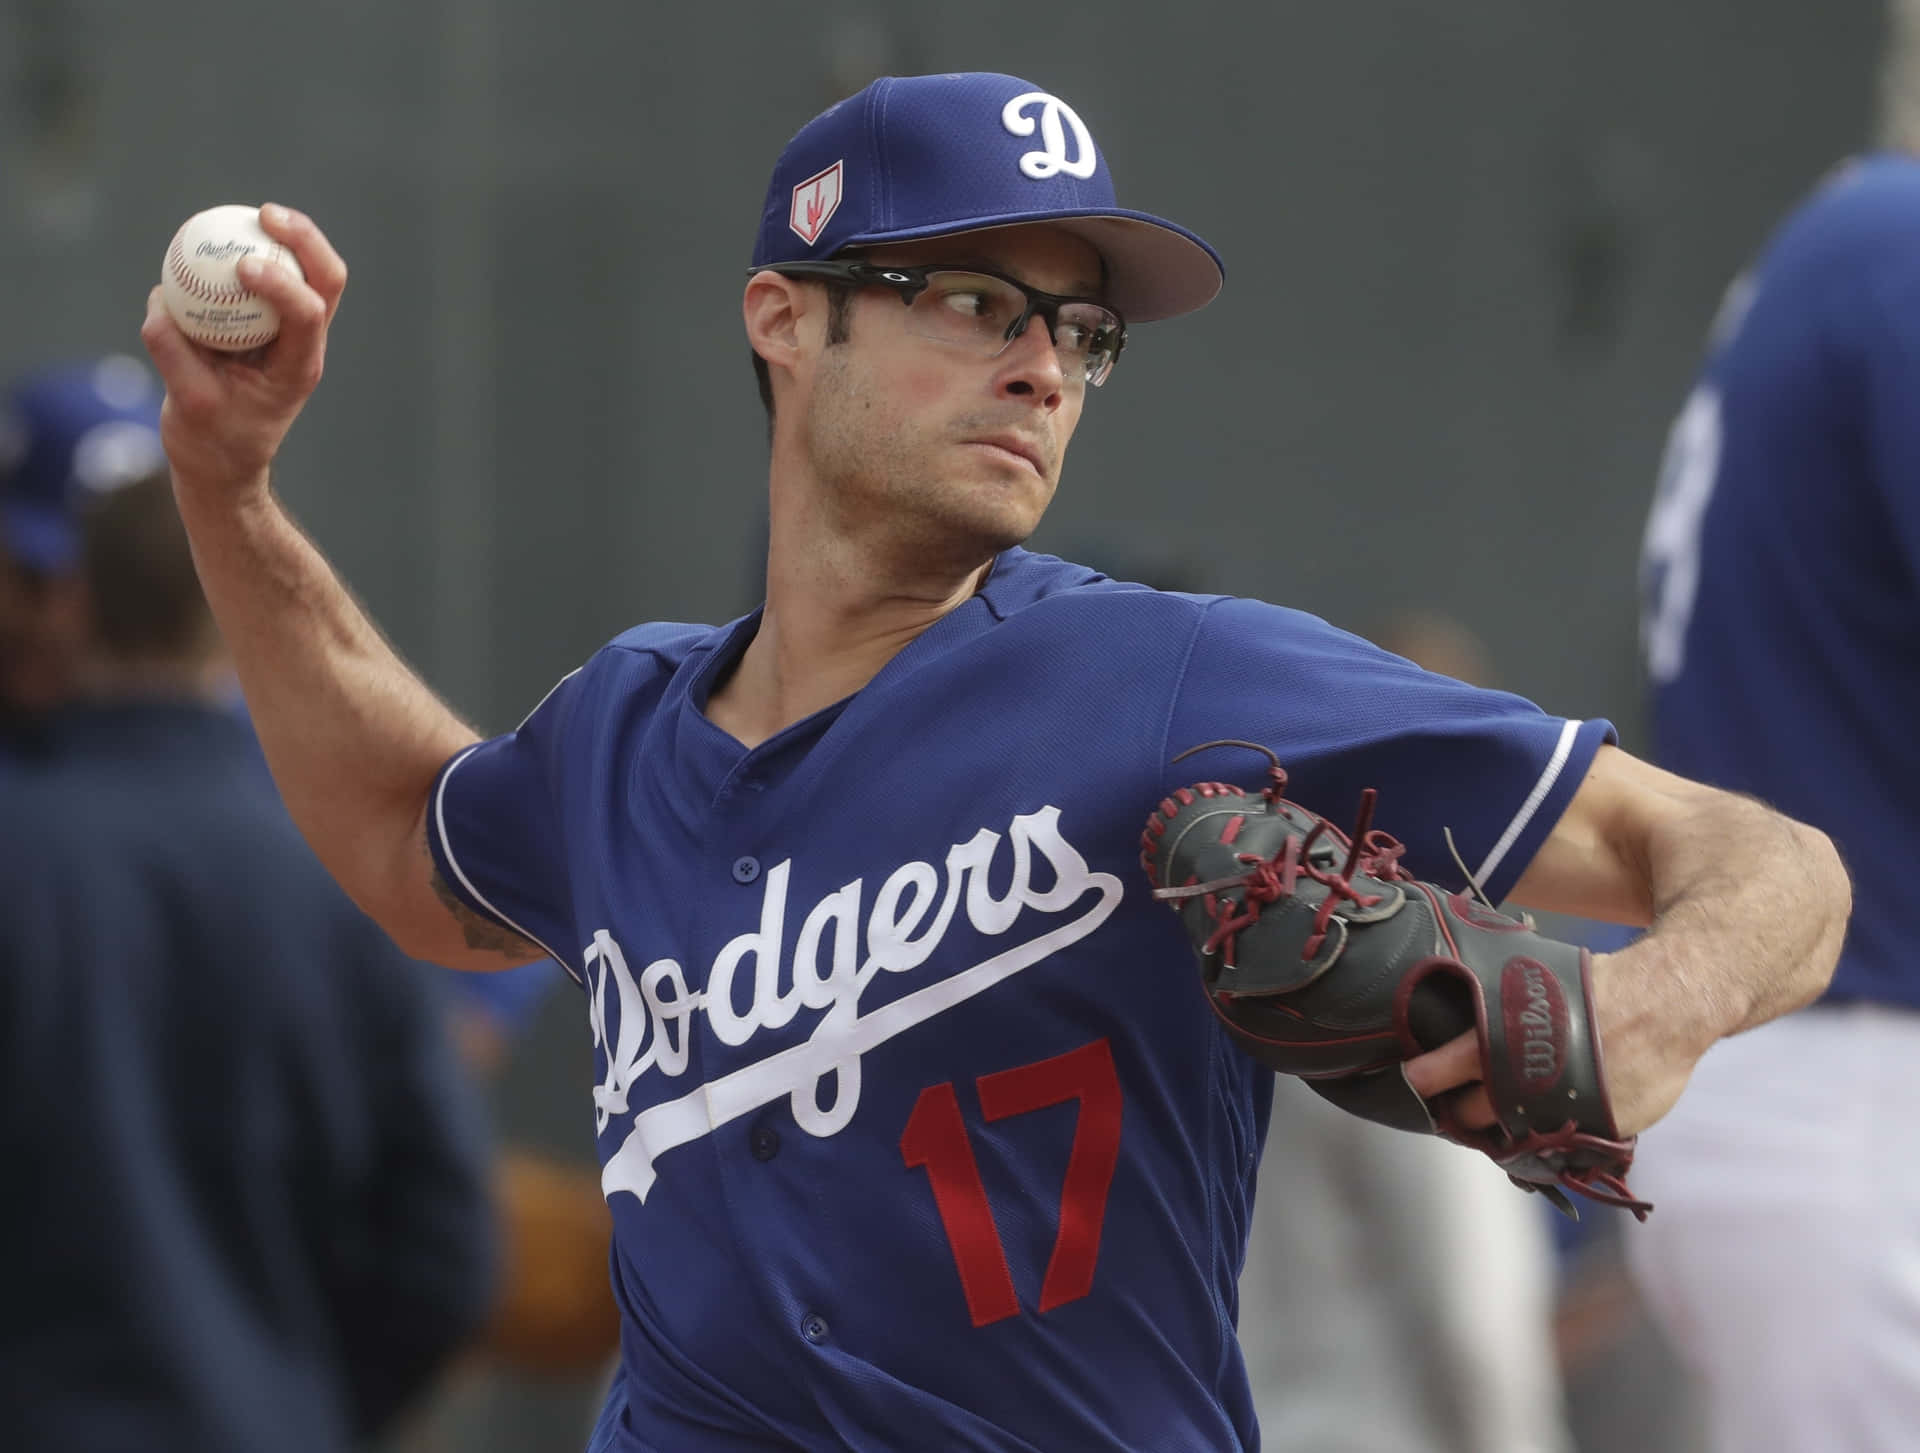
x=1327 y=960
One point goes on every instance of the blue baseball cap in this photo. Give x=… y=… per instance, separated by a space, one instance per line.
x=930 y=156
x=66 y=434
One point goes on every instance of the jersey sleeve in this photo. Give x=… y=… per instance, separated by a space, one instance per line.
x=494 y=824
x=1487 y=767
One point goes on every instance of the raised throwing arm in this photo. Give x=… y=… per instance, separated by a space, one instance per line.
x=353 y=737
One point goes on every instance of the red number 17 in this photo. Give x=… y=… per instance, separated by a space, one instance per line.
x=936 y=1138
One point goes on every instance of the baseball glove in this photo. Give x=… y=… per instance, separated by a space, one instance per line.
x=1327 y=960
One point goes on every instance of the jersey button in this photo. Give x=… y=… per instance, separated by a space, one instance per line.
x=764 y=1142
x=745 y=870
x=814 y=1328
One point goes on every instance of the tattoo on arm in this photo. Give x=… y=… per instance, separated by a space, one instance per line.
x=479 y=931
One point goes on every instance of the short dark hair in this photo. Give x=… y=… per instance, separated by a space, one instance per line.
x=839 y=301
x=147 y=601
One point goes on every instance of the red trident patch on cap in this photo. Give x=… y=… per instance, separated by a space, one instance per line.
x=814 y=202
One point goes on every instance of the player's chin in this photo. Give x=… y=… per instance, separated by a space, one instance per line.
x=1008 y=509
x=989 y=518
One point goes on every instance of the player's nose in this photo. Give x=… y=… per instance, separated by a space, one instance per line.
x=1030 y=367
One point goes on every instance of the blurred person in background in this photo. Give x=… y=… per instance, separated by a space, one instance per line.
x=553 y=1318
x=492 y=1012
x=555 y=1315
x=67 y=433
x=1781 y=626
x=73 y=433
x=1373 y=1250
x=247 y=1200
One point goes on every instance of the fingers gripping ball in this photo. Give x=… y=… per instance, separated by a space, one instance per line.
x=203 y=292
x=1326 y=959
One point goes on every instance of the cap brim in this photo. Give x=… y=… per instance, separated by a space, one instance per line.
x=1154 y=269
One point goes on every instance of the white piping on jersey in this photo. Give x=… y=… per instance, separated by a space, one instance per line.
x=1569 y=731
x=446 y=847
x=549 y=696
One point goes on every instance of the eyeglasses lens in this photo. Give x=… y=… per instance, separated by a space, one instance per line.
x=976 y=311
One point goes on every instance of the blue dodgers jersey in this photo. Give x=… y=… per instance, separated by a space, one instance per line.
x=917 y=1129
x=1781 y=572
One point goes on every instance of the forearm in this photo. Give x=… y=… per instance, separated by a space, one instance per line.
x=354 y=739
x=1749 y=911
x=1745 y=909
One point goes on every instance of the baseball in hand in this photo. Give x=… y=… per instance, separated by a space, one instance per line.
x=201 y=289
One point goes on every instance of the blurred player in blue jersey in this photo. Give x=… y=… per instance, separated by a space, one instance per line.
x=246 y=1196
x=71 y=436
x=1781 y=582
x=916 y=1130
x=68 y=433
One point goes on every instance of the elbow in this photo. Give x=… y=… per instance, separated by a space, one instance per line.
x=420 y=929
x=410 y=942
x=1829 y=890
x=381 y=898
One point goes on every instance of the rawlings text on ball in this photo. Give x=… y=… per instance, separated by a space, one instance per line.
x=202 y=288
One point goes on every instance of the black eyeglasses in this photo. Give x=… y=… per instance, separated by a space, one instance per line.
x=985 y=311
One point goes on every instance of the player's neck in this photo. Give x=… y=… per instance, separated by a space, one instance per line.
x=834 y=617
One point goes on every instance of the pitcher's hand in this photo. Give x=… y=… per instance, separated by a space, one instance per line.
x=227 y=413
x=1648 y=1065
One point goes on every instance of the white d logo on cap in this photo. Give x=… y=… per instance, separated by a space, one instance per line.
x=1053 y=160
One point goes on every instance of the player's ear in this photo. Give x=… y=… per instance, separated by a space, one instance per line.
x=775 y=309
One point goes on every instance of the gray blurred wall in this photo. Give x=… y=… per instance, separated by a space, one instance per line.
x=1471 y=252
x=1471 y=249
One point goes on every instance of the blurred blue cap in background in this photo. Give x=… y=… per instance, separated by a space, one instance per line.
x=68 y=433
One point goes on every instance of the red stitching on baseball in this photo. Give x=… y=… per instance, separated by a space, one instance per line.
x=245 y=340
x=192 y=284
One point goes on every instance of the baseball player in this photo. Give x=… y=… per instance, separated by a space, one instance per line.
x=246 y=1178
x=1781 y=615
x=68 y=433
x=915 y=1131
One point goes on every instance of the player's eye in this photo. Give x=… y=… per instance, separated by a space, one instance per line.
x=1087 y=331
x=968 y=302
x=1077 y=337
x=976 y=300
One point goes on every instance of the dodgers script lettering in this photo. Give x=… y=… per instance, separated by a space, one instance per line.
x=841 y=946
